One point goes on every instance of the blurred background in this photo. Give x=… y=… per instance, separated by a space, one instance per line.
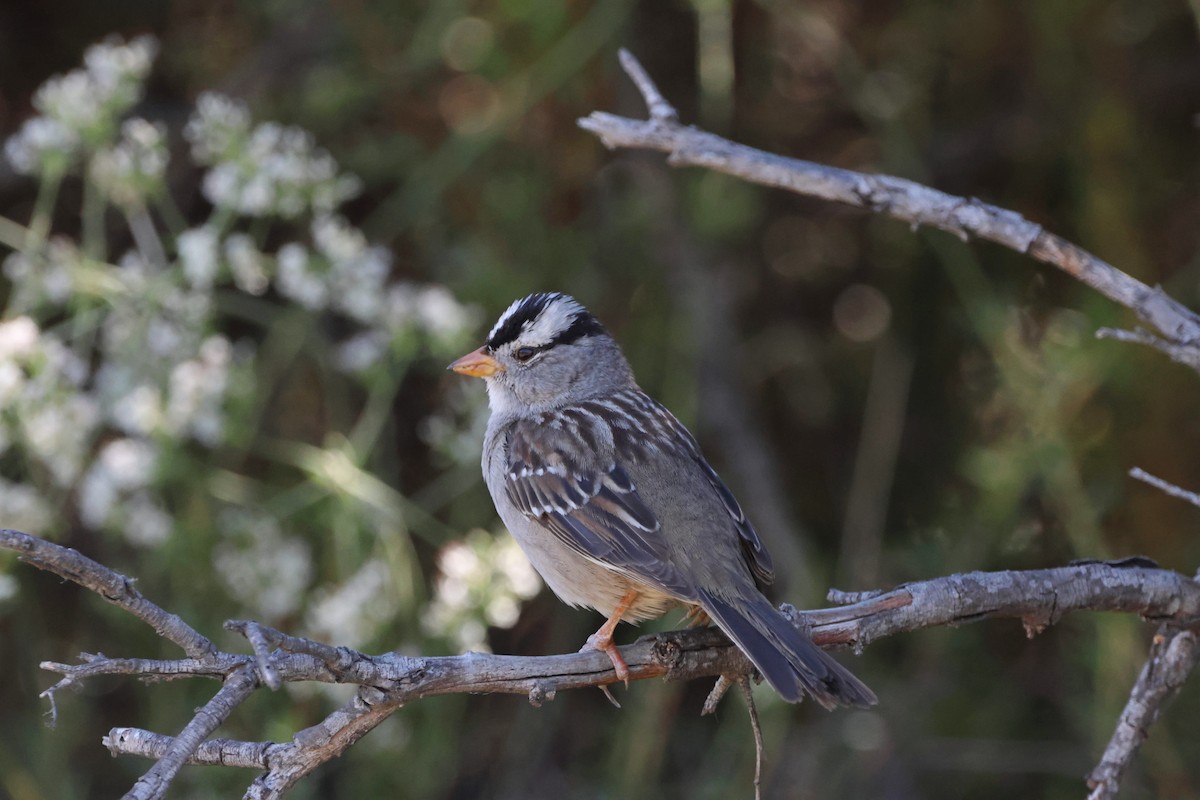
x=222 y=365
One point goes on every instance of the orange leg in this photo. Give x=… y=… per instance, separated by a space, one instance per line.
x=602 y=639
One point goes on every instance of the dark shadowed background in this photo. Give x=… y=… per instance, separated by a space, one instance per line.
x=888 y=404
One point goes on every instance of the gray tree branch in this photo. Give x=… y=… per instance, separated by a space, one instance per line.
x=109 y=584
x=1178 y=327
x=386 y=682
x=1173 y=656
x=902 y=199
x=1165 y=486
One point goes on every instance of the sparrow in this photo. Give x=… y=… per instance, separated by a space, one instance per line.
x=615 y=506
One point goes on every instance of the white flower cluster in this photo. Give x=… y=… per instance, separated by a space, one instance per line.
x=45 y=278
x=482 y=581
x=342 y=271
x=188 y=403
x=114 y=494
x=43 y=409
x=250 y=267
x=81 y=108
x=205 y=260
x=432 y=309
x=199 y=255
x=93 y=413
x=22 y=507
x=48 y=417
x=262 y=567
x=197 y=393
x=133 y=169
x=152 y=319
x=456 y=428
x=405 y=308
x=352 y=613
x=217 y=128
x=267 y=170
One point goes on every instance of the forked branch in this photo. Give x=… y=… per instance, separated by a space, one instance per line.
x=906 y=200
x=389 y=681
x=1178 y=328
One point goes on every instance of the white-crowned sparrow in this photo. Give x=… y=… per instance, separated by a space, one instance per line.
x=611 y=499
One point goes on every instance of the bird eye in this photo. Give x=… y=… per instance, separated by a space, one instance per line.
x=524 y=353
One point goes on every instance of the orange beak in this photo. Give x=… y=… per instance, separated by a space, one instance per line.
x=477 y=364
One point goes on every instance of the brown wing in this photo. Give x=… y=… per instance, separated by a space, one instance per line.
x=649 y=418
x=558 y=476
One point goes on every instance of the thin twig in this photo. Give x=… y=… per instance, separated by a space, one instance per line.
x=154 y=784
x=660 y=110
x=895 y=197
x=213 y=753
x=391 y=680
x=1166 y=486
x=720 y=688
x=1181 y=353
x=109 y=584
x=149 y=669
x=759 y=746
x=262 y=651
x=1173 y=655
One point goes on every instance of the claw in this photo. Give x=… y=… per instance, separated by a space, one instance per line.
x=605 y=645
x=602 y=640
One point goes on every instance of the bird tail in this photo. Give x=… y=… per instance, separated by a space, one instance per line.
x=784 y=655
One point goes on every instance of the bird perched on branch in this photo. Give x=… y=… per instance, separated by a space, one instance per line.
x=614 y=504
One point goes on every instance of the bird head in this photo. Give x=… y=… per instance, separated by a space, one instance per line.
x=546 y=350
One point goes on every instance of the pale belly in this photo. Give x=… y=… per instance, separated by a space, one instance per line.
x=578 y=581
x=581 y=582
x=575 y=579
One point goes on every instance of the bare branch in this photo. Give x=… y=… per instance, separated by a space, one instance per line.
x=716 y=694
x=388 y=681
x=109 y=584
x=759 y=746
x=899 y=198
x=149 y=669
x=213 y=753
x=978 y=594
x=1166 y=486
x=391 y=680
x=1173 y=655
x=256 y=636
x=1039 y=598
x=154 y=784
x=656 y=104
x=312 y=747
x=1179 y=353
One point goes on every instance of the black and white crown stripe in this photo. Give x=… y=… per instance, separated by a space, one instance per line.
x=543 y=319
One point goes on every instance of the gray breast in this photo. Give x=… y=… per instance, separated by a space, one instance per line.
x=575 y=579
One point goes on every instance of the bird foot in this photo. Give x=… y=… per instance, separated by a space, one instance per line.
x=603 y=643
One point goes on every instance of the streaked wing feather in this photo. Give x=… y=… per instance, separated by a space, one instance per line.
x=594 y=509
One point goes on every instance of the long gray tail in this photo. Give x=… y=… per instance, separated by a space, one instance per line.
x=785 y=656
